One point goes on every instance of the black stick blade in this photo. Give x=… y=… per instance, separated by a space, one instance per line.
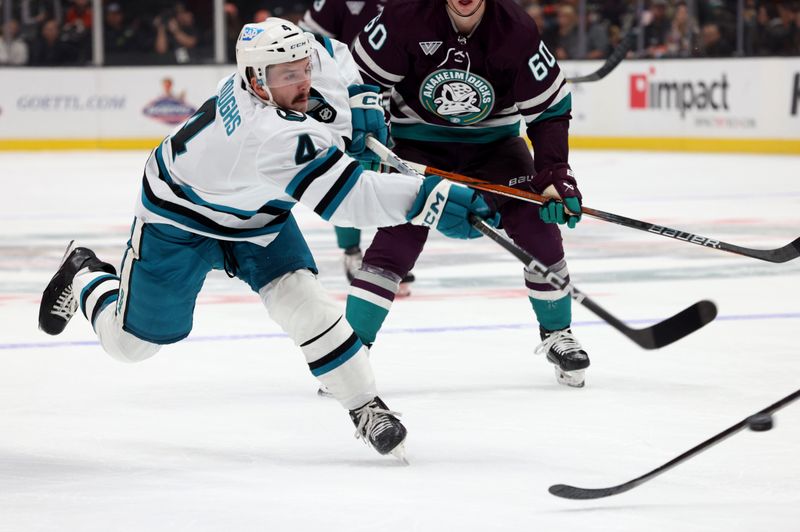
x=571 y=492
x=676 y=327
x=788 y=252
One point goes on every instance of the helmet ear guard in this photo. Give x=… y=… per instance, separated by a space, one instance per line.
x=264 y=44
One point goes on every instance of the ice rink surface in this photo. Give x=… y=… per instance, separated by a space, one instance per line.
x=224 y=431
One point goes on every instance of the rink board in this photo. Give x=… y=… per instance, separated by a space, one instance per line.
x=734 y=105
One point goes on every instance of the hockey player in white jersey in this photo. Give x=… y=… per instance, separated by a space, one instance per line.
x=218 y=193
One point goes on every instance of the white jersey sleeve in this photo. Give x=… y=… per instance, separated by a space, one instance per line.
x=307 y=162
x=348 y=69
x=234 y=170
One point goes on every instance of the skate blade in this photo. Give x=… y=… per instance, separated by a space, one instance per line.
x=69 y=249
x=399 y=452
x=573 y=379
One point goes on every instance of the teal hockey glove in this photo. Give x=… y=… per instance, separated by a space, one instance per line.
x=553 y=212
x=447 y=206
x=367 y=119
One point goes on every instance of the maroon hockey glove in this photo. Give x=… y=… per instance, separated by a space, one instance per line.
x=560 y=176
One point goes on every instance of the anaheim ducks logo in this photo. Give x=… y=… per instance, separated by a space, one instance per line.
x=458 y=96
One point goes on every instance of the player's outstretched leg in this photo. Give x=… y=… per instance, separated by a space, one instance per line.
x=59 y=302
x=334 y=353
x=565 y=352
x=380 y=427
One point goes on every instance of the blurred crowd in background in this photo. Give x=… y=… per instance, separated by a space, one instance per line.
x=152 y=32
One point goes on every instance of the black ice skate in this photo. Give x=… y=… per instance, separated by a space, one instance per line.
x=565 y=352
x=59 y=303
x=380 y=427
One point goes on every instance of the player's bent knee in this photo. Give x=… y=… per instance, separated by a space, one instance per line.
x=128 y=348
x=119 y=344
x=298 y=303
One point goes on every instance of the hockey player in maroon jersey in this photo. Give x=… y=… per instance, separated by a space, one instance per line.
x=342 y=20
x=463 y=73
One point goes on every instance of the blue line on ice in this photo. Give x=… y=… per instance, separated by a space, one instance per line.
x=410 y=330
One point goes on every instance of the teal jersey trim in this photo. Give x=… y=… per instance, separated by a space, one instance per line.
x=328 y=46
x=192 y=196
x=94 y=282
x=197 y=226
x=324 y=41
x=281 y=204
x=110 y=299
x=432 y=133
x=561 y=108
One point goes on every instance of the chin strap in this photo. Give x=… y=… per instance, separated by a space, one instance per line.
x=248 y=86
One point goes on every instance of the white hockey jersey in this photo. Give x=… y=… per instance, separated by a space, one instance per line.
x=234 y=170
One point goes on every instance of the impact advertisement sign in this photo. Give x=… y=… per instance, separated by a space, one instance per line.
x=700 y=98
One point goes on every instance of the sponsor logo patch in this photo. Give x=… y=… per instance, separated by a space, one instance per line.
x=249 y=33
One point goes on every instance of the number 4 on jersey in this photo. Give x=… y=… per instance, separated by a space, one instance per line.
x=197 y=123
x=306 y=151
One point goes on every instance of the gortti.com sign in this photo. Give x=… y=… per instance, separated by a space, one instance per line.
x=70 y=102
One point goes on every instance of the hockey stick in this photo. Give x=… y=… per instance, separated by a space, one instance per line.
x=571 y=492
x=656 y=336
x=614 y=59
x=782 y=254
x=659 y=335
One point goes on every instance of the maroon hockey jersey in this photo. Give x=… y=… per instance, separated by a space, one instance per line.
x=466 y=88
x=341 y=19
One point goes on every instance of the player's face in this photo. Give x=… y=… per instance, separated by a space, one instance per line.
x=290 y=84
x=465 y=8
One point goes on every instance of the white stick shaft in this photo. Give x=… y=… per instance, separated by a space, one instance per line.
x=388 y=157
